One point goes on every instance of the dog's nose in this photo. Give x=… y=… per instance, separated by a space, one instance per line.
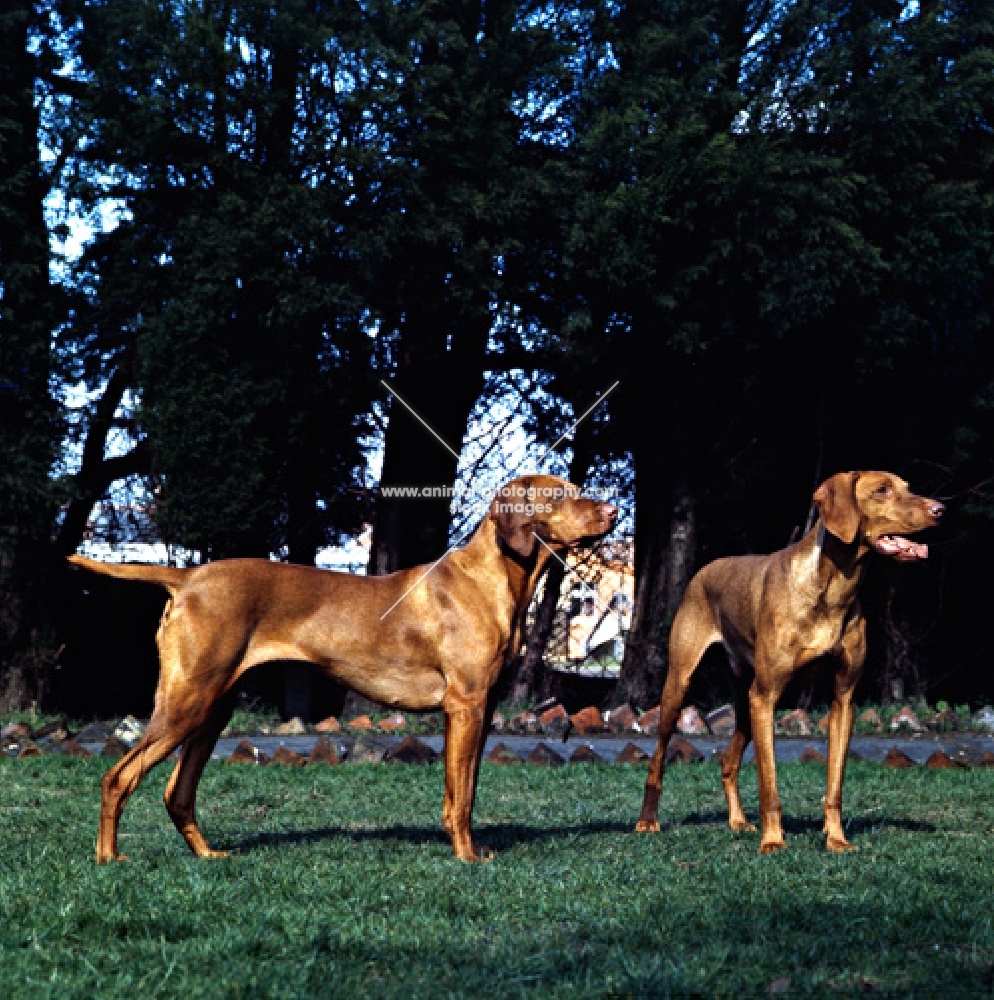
x=609 y=511
x=936 y=509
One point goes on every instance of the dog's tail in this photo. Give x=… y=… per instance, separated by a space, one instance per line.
x=166 y=576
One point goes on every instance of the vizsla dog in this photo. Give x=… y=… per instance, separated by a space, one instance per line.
x=414 y=639
x=775 y=613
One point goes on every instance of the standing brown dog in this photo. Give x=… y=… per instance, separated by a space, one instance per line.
x=414 y=639
x=775 y=613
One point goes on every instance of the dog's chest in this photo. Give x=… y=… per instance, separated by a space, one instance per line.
x=818 y=624
x=807 y=617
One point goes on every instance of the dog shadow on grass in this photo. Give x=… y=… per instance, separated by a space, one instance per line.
x=800 y=825
x=504 y=836
x=496 y=836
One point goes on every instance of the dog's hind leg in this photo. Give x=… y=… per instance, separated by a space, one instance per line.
x=181 y=791
x=160 y=740
x=731 y=759
x=692 y=632
x=194 y=673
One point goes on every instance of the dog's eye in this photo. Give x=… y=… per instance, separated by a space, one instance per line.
x=882 y=490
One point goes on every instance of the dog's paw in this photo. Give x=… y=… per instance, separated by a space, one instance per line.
x=742 y=826
x=477 y=856
x=772 y=846
x=647 y=826
x=108 y=859
x=839 y=845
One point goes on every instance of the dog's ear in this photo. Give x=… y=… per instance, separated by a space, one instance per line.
x=515 y=528
x=836 y=503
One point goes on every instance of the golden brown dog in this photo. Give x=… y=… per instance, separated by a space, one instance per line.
x=414 y=639
x=775 y=613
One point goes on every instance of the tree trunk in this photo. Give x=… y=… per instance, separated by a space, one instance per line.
x=902 y=675
x=441 y=390
x=531 y=680
x=681 y=553
x=664 y=564
x=29 y=431
x=97 y=473
x=303 y=540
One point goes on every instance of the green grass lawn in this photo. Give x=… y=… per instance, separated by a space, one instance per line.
x=341 y=885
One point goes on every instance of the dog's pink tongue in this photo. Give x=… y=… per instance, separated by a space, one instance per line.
x=901 y=548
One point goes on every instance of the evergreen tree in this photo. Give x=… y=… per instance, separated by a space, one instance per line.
x=29 y=310
x=460 y=190
x=250 y=348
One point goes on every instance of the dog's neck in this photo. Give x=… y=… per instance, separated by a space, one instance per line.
x=522 y=573
x=497 y=559
x=829 y=564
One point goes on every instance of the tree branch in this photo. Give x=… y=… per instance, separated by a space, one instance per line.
x=96 y=473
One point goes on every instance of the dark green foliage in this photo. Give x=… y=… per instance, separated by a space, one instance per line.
x=30 y=425
x=249 y=341
x=458 y=200
x=771 y=222
x=787 y=214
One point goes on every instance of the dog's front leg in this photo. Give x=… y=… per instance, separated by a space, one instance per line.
x=840 y=719
x=464 y=730
x=766 y=689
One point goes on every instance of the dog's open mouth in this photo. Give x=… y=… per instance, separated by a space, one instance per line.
x=900 y=548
